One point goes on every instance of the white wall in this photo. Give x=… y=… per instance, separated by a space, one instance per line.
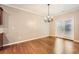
x=20 y=25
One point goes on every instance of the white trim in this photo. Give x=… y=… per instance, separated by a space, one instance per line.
x=66 y=38
x=76 y=41
x=30 y=40
x=23 y=41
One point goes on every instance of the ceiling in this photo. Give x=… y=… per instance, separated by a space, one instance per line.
x=41 y=9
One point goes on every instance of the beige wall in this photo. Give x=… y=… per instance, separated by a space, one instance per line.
x=63 y=17
x=20 y=25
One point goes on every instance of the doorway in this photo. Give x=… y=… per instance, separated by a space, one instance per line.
x=65 y=29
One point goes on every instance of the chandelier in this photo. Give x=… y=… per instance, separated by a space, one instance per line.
x=48 y=17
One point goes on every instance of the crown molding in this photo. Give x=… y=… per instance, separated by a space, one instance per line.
x=26 y=10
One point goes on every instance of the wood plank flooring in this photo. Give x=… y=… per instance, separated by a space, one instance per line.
x=48 y=45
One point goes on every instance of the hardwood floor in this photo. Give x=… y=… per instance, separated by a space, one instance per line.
x=47 y=45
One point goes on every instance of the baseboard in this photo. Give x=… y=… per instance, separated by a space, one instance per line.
x=76 y=41
x=23 y=41
x=65 y=38
x=34 y=39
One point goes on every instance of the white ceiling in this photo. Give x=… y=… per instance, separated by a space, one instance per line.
x=41 y=9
